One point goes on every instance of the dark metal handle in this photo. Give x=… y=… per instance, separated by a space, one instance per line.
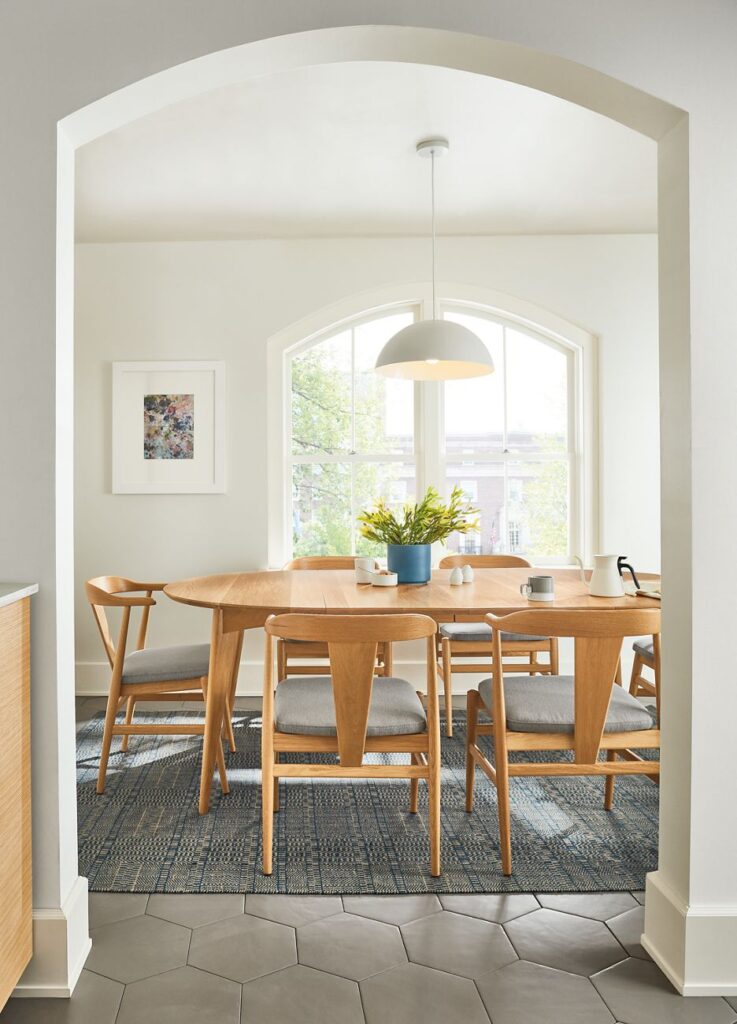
x=622 y=564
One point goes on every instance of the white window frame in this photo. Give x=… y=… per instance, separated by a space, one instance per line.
x=579 y=345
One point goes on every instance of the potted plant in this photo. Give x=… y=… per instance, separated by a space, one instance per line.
x=409 y=534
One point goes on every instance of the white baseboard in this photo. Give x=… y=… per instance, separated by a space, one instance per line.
x=694 y=946
x=61 y=945
x=93 y=677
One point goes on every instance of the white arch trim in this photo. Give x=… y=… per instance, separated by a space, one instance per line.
x=472 y=298
x=60 y=952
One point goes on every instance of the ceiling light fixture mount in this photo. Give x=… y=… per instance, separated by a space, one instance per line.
x=434 y=349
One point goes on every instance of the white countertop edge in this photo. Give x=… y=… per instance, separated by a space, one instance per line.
x=11 y=592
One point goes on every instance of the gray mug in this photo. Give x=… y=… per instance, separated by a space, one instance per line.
x=538 y=588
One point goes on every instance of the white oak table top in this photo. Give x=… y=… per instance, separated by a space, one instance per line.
x=335 y=590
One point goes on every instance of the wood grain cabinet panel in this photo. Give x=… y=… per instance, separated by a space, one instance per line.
x=15 y=795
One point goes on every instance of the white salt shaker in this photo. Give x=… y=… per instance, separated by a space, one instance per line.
x=467 y=573
x=456 y=577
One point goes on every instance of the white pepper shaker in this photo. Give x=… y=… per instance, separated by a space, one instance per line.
x=467 y=573
x=456 y=577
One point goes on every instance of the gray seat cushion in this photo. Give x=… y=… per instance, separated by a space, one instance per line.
x=645 y=648
x=480 y=633
x=535 y=704
x=160 y=664
x=304 y=704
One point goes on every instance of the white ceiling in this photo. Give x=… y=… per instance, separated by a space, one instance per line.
x=329 y=151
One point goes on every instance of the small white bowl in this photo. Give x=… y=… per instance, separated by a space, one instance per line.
x=384 y=579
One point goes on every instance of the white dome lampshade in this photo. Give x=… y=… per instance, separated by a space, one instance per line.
x=434 y=350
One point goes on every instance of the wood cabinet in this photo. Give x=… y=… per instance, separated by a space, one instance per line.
x=15 y=794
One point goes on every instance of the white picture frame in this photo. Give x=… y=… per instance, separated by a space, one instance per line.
x=177 y=448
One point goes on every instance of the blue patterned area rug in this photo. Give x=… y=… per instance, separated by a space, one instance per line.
x=346 y=836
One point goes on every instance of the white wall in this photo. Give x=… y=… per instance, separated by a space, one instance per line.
x=223 y=300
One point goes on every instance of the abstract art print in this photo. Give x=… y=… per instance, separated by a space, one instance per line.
x=168 y=426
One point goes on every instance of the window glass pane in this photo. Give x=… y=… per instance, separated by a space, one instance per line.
x=393 y=481
x=537 y=509
x=321 y=509
x=384 y=407
x=321 y=397
x=524 y=507
x=537 y=379
x=482 y=483
x=474 y=408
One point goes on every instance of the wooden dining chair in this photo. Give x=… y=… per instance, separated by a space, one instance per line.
x=647 y=655
x=462 y=640
x=350 y=712
x=586 y=713
x=146 y=674
x=286 y=649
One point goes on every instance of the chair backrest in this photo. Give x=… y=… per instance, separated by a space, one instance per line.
x=324 y=562
x=118 y=592
x=352 y=645
x=484 y=561
x=598 y=637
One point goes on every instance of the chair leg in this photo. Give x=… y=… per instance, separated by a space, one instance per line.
x=107 y=737
x=634 y=678
x=611 y=755
x=433 y=784
x=505 y=827
x=276 y=785
x=554 y=656
x=281 y=660
x=228 y=733
x=388 y=660
x=533 y=663
x=414 y=787
x=130 y=705
x=447 y=686
x=220 y=758
x=267 y=816
x=472 y=719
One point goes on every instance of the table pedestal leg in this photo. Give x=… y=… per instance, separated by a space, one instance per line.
x=224 y=648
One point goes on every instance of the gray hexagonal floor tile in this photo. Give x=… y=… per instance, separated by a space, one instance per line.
x=137 y=948
x=95 y=1001
x=243 y=948
x=354 y=947
x=106 y=907
x=412 y=993
x=301 y=995
x=628 y=928
x=393 y=909
x=293 y=910
x=732 y=1000
x=195 y=909
x=523 y=992
x=640 y=897
x=599 y=906
x=458 y=944
x=568 y=943
x=636 y=992
x=499 y=907
x=184 y=996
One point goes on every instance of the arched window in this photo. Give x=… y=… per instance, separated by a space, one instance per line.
x=514 y=441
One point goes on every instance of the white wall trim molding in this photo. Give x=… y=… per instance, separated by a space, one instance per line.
x=701 y=936
x=61 y=944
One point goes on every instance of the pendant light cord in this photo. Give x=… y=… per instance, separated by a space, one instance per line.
x=432 y=201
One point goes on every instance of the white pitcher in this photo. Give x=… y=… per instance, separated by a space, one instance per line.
x=605 y=579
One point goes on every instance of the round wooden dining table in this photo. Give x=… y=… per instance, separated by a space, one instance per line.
x=245 y=600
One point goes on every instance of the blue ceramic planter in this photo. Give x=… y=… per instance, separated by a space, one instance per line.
x=411 y=562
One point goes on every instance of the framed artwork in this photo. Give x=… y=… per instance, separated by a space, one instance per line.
x=169 y=428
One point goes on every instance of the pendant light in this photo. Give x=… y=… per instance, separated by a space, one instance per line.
x=434 y=349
